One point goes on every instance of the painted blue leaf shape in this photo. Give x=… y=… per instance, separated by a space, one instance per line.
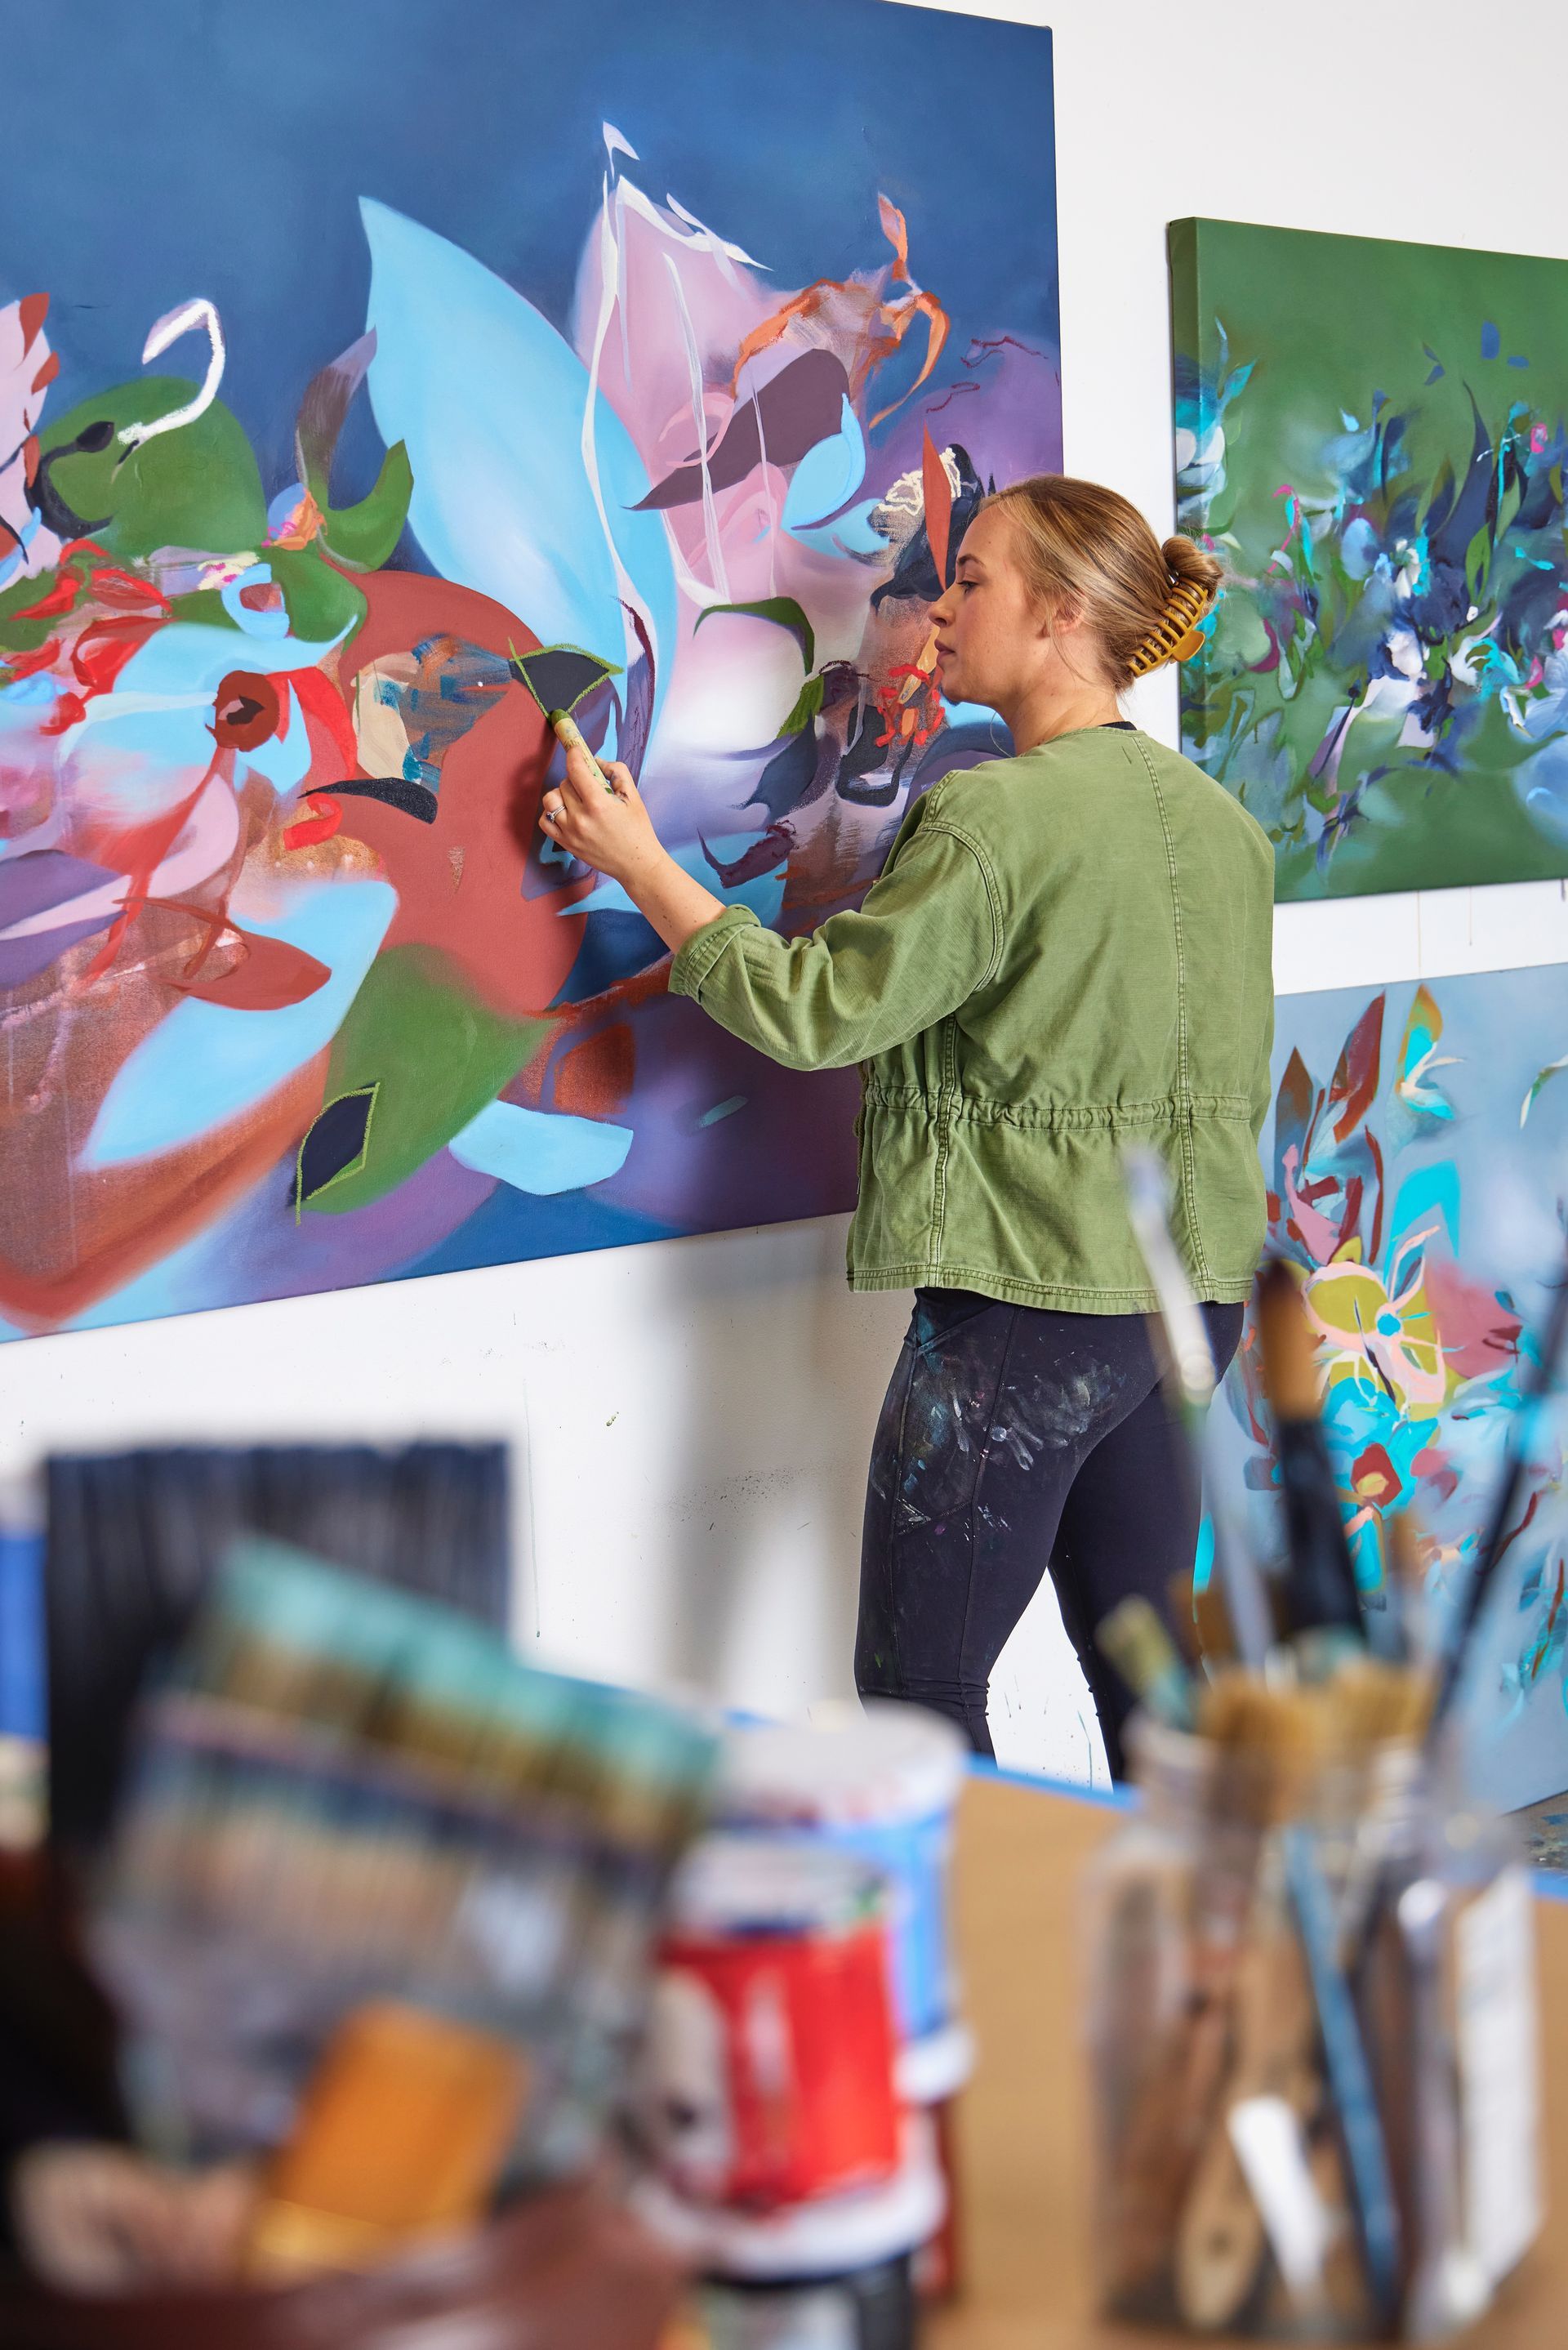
x=541 y=1152
x=1431 y=1193
x=490 y=399
x=206 y=1063
x=827 y=475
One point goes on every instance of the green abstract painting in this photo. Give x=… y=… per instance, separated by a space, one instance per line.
x=1371 y=436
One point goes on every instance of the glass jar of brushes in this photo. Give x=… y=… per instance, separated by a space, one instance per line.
x=1311 y=2025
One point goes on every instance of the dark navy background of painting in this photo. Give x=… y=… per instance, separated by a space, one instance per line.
x=207 y=147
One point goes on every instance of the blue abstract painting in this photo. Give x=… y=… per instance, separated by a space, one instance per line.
x=1418 y=1164
x=372 y=381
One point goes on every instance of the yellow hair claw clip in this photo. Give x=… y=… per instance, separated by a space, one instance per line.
x=1180 y=632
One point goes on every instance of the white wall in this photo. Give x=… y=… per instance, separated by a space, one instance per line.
x=692 y=1419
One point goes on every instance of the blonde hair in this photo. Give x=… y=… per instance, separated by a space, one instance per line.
x=1085 y=545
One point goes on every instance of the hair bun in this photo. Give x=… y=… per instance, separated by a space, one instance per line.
x=1192 y=566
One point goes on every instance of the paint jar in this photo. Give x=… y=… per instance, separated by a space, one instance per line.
x=879 y=1781
x=771 y=2055
x=831 y=2275
x=1310 y=2024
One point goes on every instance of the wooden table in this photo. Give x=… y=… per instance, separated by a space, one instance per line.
x=1023 y=2126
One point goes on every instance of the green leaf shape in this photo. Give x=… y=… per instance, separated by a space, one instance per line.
x=321 y=603
x=198 y=486
x=808 y=701
x=364 y=536
x=784 y=612
x=439 y=1055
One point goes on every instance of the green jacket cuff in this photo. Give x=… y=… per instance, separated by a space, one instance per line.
x=703 y=948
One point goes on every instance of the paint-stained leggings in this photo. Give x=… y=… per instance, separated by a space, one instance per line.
x=1013 y=1440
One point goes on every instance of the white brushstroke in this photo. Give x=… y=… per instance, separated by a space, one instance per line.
x=773 y=518
x=618 y=143
x=622 y=305
x=183 y=319
x=699 y=418
x=625 y=589
x=711 y=237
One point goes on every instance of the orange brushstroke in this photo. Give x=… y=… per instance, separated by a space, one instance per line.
x=593 y=1079
x=885 y=322
x=896 y=229
x=938 y=497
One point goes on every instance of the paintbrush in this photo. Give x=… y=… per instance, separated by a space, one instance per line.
x=1405 y=1575
x=1454 y=1643
x=1321 y=1606
x=570 y=736
x=1181 y=1604
x=1138 y=1645
x=1191 y=1388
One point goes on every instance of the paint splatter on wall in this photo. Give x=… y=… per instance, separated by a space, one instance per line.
x=325 y=469
x=1372 y=436
x=1416 y=1163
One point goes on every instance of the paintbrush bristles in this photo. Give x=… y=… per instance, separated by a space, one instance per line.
x=1289 y=1348
x=1279 y=1738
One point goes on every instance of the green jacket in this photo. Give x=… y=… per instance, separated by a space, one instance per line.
x=1065 y=952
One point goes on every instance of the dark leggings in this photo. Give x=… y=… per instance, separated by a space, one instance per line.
x=1011 y=1440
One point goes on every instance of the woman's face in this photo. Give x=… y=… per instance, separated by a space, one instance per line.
x=993 y=636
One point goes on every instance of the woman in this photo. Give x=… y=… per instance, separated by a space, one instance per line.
x=1067 y=949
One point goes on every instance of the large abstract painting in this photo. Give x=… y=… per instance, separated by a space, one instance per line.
x=1372 y=436
x=370 y=383
x=1418 y=1166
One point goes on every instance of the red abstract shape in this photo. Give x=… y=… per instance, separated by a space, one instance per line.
x=594 y=1079
x=69 y=710
x=1480 y=1337
x=320 y=701
x=268 y=974
x=1374 y=1477
x=324 y=819
x=916 y=720
x=938 y=498
x=31 y=312
x=60 y=599
x=508 y=929
x=1355 y=1087
x=246 y=710
x=104 y=646
x=42 y=656
x=121 y=590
